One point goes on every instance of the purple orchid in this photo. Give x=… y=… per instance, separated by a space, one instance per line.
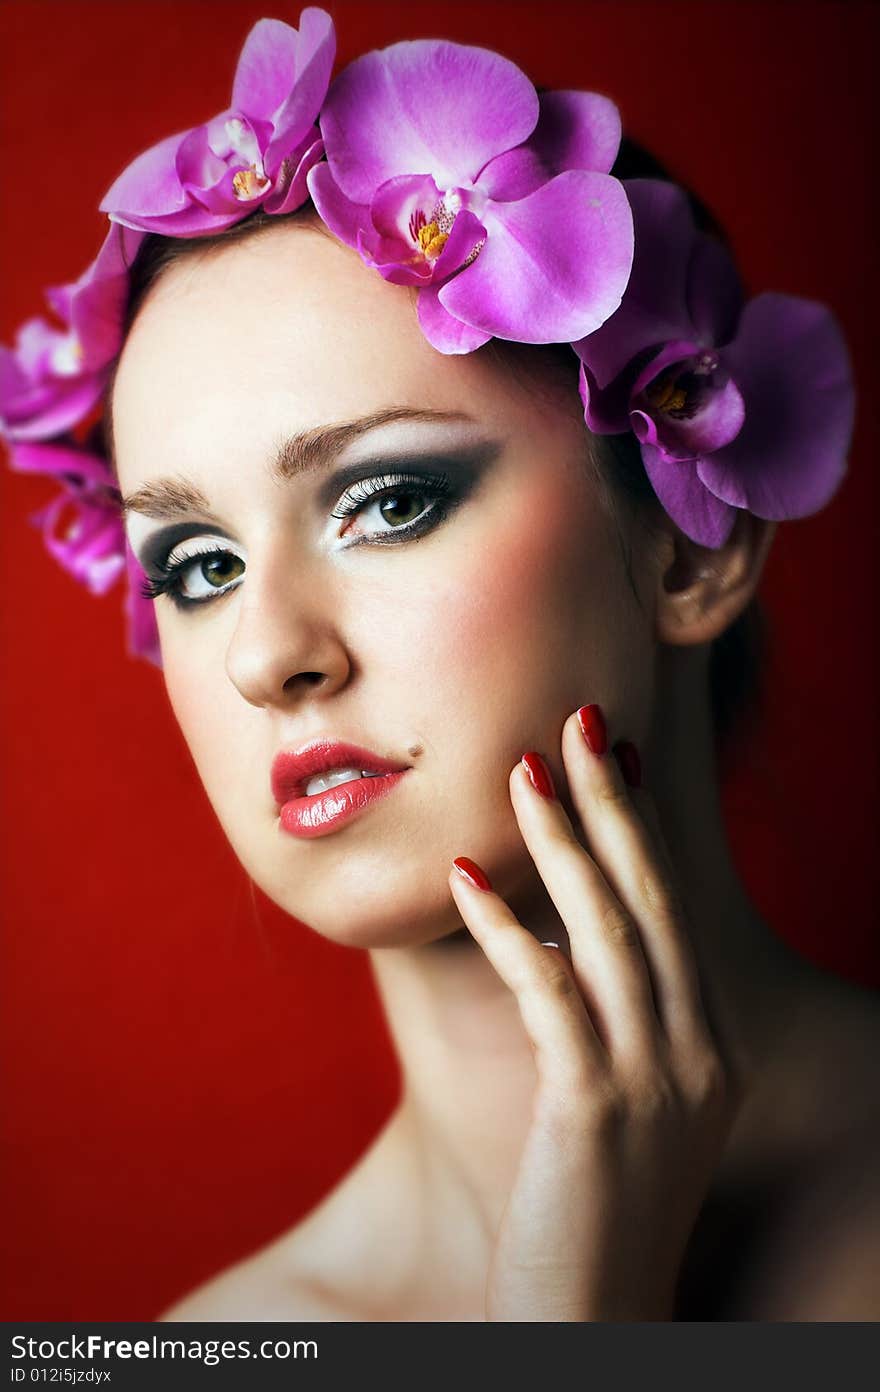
x=446 y=171
x=54 y=377
x=82 y=529
x=143 y=633
x=257 y=153
x=50 y=383
x=44 y=387
x=735 y=404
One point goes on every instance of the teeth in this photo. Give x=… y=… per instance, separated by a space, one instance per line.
x=320 y=782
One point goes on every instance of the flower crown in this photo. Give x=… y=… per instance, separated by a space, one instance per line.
x=444 y=168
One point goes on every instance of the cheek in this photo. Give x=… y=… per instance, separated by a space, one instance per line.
x=531 y=616
x=211 y=717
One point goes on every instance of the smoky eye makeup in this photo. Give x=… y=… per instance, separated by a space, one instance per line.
x=386 y=487
x=154 y=551
x=462 y=467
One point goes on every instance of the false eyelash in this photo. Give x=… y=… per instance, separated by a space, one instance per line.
x=153 y=586
x=433 y=485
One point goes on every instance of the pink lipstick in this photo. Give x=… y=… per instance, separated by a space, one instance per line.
x=367 y=777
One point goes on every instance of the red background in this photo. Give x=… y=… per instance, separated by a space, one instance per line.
x=187 y=1070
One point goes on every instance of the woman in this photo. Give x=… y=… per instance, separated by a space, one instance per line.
x=622 y=1092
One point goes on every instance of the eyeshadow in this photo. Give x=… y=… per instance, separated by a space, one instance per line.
x=463 y=465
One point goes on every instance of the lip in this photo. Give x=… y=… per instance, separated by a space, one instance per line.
x=324 y=812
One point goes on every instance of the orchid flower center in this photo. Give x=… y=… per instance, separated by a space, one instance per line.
x=680 y=390
x=247 y=183
x=67 y=356
x=429 y=237
x=430 y=231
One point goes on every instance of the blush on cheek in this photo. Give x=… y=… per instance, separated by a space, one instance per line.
x=205 y=712
x=537 y=577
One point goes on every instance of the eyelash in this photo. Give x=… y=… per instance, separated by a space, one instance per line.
x=436 y=488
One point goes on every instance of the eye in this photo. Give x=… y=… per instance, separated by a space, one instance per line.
x=212 y=572
x=194 y=575
x=408 y=505
x=403 y=506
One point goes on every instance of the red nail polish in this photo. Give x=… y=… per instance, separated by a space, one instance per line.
x=540 y=775
x=592 y=723
x=472 y=873
x=630 y=764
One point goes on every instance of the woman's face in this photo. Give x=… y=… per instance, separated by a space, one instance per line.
x=447 y=627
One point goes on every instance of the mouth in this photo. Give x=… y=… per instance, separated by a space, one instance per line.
x=324 y=785
x=334 y=778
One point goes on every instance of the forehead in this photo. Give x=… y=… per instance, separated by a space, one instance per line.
x=280 y=332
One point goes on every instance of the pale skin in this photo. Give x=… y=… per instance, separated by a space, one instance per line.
x=567 y=1110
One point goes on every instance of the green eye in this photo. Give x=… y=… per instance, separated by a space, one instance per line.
x=221 y=567
x=401 y=508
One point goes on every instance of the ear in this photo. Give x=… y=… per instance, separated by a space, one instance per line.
x=700 y=590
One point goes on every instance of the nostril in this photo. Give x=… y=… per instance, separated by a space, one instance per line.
x=309 y=678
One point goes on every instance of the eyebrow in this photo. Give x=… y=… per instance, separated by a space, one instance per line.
x=298 y=454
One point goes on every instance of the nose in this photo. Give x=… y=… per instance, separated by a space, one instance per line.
x=286 y=643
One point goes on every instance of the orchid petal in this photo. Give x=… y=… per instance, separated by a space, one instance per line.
x=98 y=299
x=14 y=382
x=291 y=190
x=266 y=67
x=198 y=166
x=555 y=264
x=342 y=215
x=466 y=234
x=143 y=633
x=444 y=332
x=606 y=413
x=149 y=185
x=424 y=106
x=575 y=130
x=67 y=462
x=697 y=512
x=654 y=308
x=714 y=292
x=315 y=52
x=715 y=421
x=395 y=201
x=53 y=407
x=192 y=221
x=792 y=367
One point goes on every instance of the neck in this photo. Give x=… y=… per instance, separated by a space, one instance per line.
x=467 y=1065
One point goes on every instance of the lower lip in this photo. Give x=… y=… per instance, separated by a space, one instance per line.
x=325 y=812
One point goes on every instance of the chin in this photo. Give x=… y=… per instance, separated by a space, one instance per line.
x=367 y=906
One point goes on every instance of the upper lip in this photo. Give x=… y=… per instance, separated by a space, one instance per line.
x=292 y=769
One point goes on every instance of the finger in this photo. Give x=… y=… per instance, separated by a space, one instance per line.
x=606 y=953
x=568 y=1053
x=623 y=835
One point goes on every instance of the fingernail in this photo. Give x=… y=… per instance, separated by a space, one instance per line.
x=592 y=723
x=540 y=775
x=630 y=764
x=470 y=871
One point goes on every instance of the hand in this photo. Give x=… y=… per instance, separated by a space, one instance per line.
x=634 y=1101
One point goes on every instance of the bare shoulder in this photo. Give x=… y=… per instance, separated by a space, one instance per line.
x=321 y=1269
x=824 y=1085
x=262 y=1288
x=291 y=1278
x=822 y=1259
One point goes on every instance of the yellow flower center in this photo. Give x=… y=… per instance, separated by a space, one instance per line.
x=247 y=183
x=431 y=240
x=667 y=394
